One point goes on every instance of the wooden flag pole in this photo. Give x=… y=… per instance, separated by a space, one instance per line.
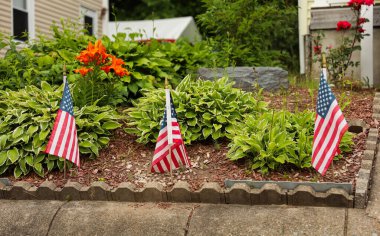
x=64 y=84
x=170 y=144
x=324 y=63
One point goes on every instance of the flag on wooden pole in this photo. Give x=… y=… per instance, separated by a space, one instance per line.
x=170 y=152
x=330 y=126
x=63 y=140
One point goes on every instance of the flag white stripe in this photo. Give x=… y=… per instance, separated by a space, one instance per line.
x=163 y=165
x=58 y=132
x=65 y=135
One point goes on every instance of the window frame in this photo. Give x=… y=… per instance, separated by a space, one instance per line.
x=85 y=11
x=31 y=18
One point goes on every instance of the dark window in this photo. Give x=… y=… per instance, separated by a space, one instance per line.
x=20 y=24
x=88 y=24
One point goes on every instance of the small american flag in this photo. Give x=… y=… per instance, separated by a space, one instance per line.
x=330 y=126
x=63 y=140
x=169 y=138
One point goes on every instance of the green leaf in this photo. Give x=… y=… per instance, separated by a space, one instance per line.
x=17 y=172
x=190 y=114
x=206 y=132
x=109 y=125
x=13 y=155
x=3 y=157
x=43 y=134
x=94 y=148
x=17 y=132
x=3 y=169
x=38 y=169
x=39 y=158
x=29 y=160
x=104 y=140
x=50 y=165
x=46 y=86
x=3 y=141
x=217 y=126
x=22 y=164
x=32 y=129
x=85 y=144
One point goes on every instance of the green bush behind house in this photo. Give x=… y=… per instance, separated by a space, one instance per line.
x=205 y=109
x=26 y=121
x=277 y=138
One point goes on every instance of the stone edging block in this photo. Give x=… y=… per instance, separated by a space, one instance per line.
x=366 y=169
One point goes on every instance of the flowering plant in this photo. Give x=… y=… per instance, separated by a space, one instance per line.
x=97 y=67
x=339 y=59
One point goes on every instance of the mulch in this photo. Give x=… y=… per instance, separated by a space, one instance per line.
x=125 y=160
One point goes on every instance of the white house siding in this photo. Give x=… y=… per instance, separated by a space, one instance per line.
x=5 y=17
x=49 y=11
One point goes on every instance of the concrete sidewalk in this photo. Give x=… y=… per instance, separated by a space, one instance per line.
x=120 y=218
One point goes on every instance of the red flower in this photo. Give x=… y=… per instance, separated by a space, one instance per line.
x=83 y=71
x=317 y=49
x=116 y=66
x=343 y=25
x=356 y=4
x=361 y=30
x=361 y=21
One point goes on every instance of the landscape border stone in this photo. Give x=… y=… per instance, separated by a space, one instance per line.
x=235 y=192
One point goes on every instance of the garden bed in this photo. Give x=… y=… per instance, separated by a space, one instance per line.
x=124 y=160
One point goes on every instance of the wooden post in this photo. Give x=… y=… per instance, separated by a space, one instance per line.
x=64 y=84
x=168 y=113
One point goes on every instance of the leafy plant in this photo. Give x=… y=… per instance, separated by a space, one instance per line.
x=276 y=139
x=252 y=33
x=205 y=109
x=26 y=121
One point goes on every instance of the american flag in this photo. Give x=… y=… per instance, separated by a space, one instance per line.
x=330 y=125
x=169 y=138
x=63 y=140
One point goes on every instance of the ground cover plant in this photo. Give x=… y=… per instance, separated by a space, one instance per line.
x=206 y=109
x=26 y=120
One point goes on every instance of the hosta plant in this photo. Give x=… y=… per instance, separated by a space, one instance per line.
x=205 y=109
x=26 y=121
x=277 y=138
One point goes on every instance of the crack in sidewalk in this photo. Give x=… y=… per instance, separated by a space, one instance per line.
x=189 y=219
x=345 y=222
x=51 y=222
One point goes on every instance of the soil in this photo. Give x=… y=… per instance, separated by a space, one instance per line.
x=125 y=160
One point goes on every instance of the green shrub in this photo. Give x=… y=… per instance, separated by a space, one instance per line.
x=26 y=121
x=274 y=139
x=252 y=33
x=149 y=63
x=205 y=109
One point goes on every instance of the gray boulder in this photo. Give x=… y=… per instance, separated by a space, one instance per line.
x=246 y=78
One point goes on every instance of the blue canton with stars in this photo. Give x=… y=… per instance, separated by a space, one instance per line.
x=67 y=101
x=325 y=97
x=174 y=114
